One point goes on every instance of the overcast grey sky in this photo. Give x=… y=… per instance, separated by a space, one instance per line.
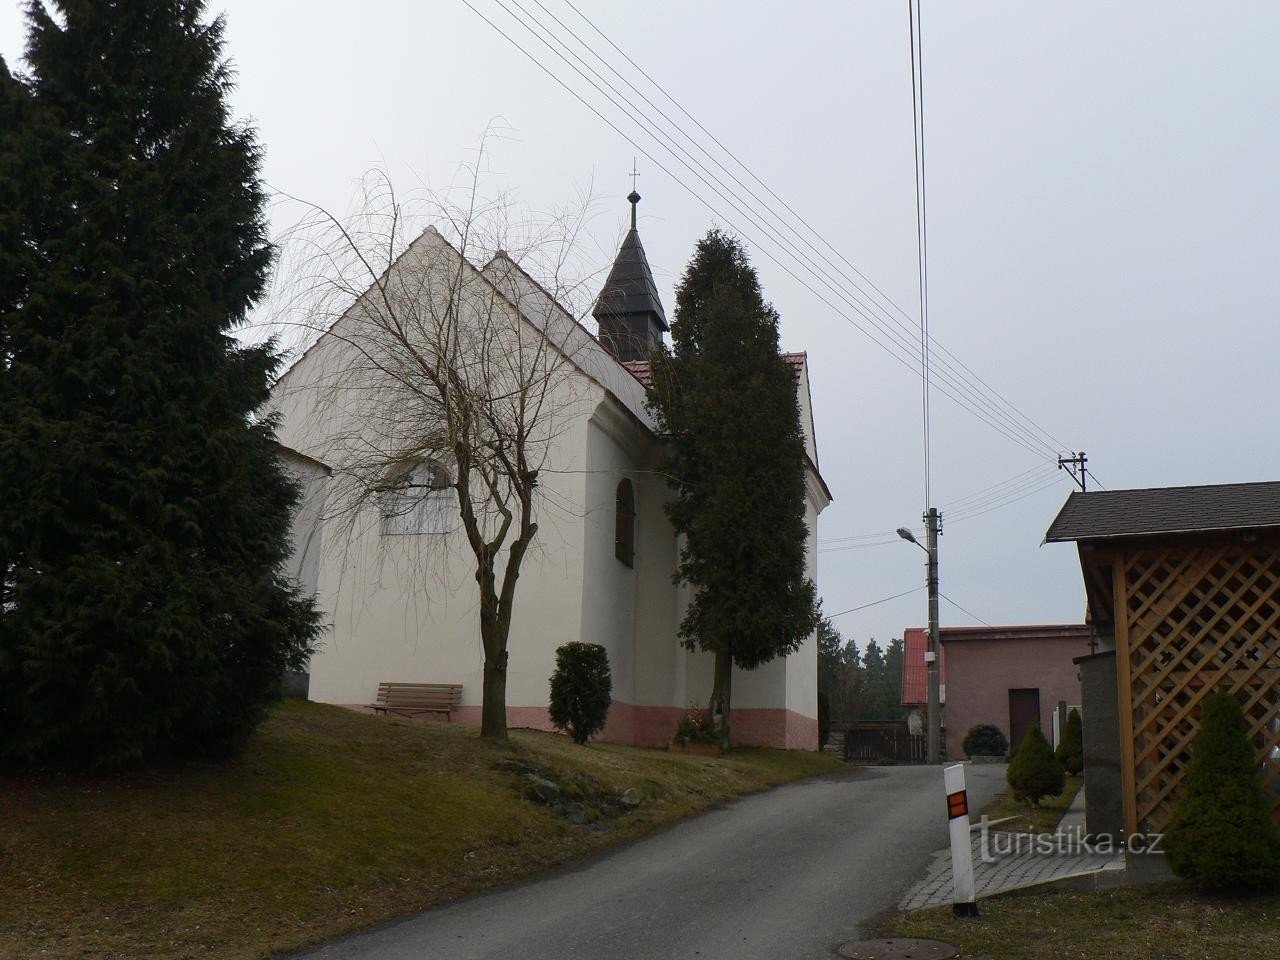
x=1103 y=224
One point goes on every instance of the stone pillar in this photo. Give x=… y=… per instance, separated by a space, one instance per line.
x=1103 y=792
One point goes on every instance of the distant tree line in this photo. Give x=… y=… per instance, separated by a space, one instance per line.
x=859 y=685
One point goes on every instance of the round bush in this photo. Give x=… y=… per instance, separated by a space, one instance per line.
x=1035 y=773
x=985 y=740
x=1221 y=836
x=581 y=690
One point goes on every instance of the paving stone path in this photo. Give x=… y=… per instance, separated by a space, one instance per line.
x=1009 y=861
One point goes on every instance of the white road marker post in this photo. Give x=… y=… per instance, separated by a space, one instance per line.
x=964 y=894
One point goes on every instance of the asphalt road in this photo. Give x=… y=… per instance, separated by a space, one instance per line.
x=789 y=874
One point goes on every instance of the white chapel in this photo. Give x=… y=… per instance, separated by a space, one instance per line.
x=400 y=599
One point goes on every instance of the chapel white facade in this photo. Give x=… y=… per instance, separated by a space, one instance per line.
x=398 y=591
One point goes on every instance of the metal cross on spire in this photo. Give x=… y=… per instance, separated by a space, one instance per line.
x=633 y=196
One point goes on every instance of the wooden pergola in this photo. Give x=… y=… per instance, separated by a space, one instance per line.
x=1185 y=581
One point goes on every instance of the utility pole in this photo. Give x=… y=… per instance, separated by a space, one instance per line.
x=1077 y=466
x=933 y=720
x=932 y=526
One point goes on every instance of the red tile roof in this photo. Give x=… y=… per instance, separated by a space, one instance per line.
x=641 y=371
x=915 y=672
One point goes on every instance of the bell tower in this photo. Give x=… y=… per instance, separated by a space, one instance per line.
x=628 y=310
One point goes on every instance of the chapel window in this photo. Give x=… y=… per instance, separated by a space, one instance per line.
x=624 y=539
x=420 y=499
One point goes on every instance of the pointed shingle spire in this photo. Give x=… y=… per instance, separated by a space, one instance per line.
x=628 y=309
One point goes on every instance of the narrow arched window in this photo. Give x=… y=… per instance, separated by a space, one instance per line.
x=624 y=528
x=419 y=499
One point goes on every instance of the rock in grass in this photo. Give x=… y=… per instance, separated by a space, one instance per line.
x=541 y=789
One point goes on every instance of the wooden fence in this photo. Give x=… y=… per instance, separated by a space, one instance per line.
x=880 y=742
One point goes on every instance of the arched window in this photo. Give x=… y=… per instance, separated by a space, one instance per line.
x=419 y=499
x=624 y=524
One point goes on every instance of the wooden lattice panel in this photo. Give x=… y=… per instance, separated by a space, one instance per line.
x=1192 y=618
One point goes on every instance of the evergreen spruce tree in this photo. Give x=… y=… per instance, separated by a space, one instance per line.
x=1034 y=773
x=1070 y=752
x=875 y=699
x=1221 y=836
x=839 y=672
x=894 y=655
x=15 y=264
x=143 y=511
x=727 y=402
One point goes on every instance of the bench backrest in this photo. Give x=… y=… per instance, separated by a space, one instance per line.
x=419 y=695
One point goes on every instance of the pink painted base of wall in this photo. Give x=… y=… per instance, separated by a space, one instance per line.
x=646 y=726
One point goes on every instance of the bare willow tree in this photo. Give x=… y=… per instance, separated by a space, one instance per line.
x=444 y=375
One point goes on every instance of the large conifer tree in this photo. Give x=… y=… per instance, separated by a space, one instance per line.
x=727 y=402
x=143 y=512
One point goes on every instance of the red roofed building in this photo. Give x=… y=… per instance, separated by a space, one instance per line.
x=915 y=678
x=1007 y=676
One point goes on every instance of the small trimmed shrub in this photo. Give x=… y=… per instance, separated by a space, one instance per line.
x=1070 y=752
x=985 y=740
x=1221 y=836
x=824 y=719
x=1034 y=773
x=581 y=689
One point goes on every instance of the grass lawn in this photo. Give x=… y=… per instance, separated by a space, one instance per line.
x=1042 y=819
x=1133 y=923
x=330 y=821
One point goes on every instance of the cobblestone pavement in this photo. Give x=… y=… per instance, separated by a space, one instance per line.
x=1007 y=861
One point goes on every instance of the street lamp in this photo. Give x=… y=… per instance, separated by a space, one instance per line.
x=932 y=520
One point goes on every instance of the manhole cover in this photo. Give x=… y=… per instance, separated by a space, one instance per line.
x=898 y=948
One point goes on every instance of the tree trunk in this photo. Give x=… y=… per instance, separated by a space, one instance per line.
x=493 y=636
x=722 y=695
x=493 y=712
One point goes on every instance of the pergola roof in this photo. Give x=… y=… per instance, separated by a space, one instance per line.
x=1108 y=514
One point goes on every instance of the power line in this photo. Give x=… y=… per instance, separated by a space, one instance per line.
x=1005 y=503
x=702 y=173
x=989 y=495
x=857 y=546
x=1039 y=468
x=922 y=228
x=1056 y=443
x=970 y=397
x=873 y=603
x=1007 y=494
x=963 y=610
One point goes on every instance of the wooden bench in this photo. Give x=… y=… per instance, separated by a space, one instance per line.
x=415 y=698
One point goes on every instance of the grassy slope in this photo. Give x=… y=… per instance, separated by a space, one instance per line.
x=329 y=822
x=1135 y=923
x=1027 y=819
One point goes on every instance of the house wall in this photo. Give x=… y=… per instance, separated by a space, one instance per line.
x=802 y=667
x=306 y=539
x=609 y=599
x=306 y=533
x=404 y=608
x=980 y=674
